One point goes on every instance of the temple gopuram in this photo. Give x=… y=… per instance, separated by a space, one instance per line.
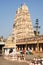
x=23 y=31
x=23 y=36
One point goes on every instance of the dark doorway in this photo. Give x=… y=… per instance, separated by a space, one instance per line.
x=11 y=50
x=1 y=46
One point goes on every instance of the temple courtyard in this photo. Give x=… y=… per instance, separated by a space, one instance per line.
x=8 y=62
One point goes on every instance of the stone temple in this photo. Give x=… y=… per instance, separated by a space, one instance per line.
x=23 y=32
x=22 y=27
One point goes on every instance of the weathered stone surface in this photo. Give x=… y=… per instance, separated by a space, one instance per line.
x=22 y=27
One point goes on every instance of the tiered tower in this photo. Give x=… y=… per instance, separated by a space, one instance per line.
x=22 y=27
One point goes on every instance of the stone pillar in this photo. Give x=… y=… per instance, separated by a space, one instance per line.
x=14 y=52
x=32 y=49
x=22 y=48
x=41 y=49
x=19 y=48
x=6 y=52
x=36 y=49
x=25 y=48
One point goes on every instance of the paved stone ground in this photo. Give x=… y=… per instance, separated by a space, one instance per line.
x=7 y=62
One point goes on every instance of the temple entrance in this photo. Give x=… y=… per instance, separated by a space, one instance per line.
x=11 y=50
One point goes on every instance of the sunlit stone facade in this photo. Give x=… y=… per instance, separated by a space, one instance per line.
x=23 y=33
x=9 y=45
x=22 y=27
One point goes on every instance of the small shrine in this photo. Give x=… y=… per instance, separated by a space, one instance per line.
x=10 y=46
